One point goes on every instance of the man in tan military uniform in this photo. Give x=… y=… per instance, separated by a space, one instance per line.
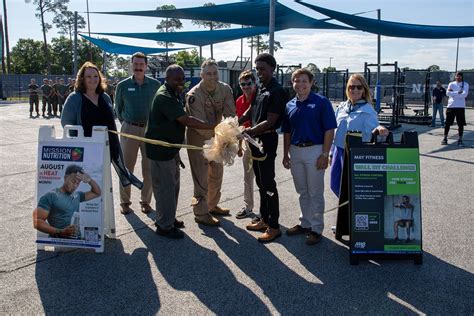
x=208 y=101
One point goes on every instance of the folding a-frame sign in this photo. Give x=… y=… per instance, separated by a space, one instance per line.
x=92 y=218
x=381 y=182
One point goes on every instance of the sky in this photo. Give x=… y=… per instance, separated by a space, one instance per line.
x=343 y=49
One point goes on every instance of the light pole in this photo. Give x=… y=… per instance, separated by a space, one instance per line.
x=330 y=60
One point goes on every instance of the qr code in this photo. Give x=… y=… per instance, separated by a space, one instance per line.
x=91 y=235
x=362 y=222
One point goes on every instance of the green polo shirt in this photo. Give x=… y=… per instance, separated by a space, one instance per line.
x=162 y=124
x=133 y=101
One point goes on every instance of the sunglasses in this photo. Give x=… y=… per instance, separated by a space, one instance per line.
x=246 y=84
x=358 y=87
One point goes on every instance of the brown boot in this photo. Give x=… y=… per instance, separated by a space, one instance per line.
x=270 y=234
x=222 y=211
x=146 y=208
x=258 y=226
x=296 y=230
x=207 y=220
x=126 y=209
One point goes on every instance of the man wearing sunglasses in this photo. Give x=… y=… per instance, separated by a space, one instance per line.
x=247 y=83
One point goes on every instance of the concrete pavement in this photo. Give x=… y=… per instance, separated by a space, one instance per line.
x=225 y=270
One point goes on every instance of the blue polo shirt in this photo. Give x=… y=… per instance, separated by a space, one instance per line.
x=308 y=120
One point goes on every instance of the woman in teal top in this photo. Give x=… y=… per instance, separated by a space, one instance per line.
x=356 y=114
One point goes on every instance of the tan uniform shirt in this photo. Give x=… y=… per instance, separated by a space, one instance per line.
x=209 y=107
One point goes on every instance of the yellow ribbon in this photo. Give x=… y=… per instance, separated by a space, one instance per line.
x=157 y=142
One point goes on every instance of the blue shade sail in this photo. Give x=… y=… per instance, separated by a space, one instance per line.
x=122 y=49
x=395 y=29
x=254 y=13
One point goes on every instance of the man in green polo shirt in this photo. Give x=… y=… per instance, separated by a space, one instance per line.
x=133 y=98
x=167 y=122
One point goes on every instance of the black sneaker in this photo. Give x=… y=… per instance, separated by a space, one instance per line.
x=243 y=213
x=444 y=141
x=460 y=143
x=173 y=233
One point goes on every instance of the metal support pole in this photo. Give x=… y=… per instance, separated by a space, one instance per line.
x=89 y=30
x=75 y=43
x=377 y=87
x=457 y=55
x=241 y=51
x=271 y=27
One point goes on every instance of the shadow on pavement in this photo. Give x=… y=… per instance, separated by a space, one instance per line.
x=116 y=282
x=82 y=282
x=187 y=266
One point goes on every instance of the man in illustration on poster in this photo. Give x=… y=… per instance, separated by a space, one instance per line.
x=405 y=219
x=55 y=209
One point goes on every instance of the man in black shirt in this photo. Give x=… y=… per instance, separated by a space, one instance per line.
x=439 y=93
x=266 y=114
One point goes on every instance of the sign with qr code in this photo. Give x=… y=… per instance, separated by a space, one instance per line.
x=69 y=205
x=385 y=202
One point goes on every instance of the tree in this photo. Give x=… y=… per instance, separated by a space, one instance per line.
x=211 y=24
x=261 y=45
x=434 y=68
x=28 y=57
x=313 y=68
x=62 y=56
x=65 y=23
x=329 y=69
x=43 y=7
x=168 y=25
x=188 y=59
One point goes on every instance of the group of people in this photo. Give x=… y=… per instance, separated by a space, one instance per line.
x=53 y=95
x=313 y=137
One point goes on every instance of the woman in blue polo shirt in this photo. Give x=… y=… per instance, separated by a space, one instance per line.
x=308 y=127
x=355 y=114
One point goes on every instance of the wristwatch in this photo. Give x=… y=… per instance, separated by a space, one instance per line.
x=325 y=154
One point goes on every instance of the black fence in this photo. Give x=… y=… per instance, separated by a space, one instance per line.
x=330 y=84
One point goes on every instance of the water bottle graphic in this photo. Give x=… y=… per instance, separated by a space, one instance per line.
x=76 y=221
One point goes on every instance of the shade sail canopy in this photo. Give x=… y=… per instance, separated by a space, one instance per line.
x=197 y=38
x=254 y=13
x=395 y=29
x=122 y=49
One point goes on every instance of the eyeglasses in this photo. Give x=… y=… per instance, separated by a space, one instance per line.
x=358 y=87
x=246 y=84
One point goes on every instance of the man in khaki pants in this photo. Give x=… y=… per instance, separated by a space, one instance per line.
x=133 y=99
x=208 y=101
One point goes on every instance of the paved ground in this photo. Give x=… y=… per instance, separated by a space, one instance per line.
x=224 y=270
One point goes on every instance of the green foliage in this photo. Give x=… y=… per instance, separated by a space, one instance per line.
x=187 y=59
x=168 y=25
x=65 y=23
x=329 y=69
x=313 y=68
x=261 y=45
x=28 y=57
x=210 y=24
x=434 y=68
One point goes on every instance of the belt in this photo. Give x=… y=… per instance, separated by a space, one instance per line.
x=136 y=124
x=268 y=131
x=307 y=144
